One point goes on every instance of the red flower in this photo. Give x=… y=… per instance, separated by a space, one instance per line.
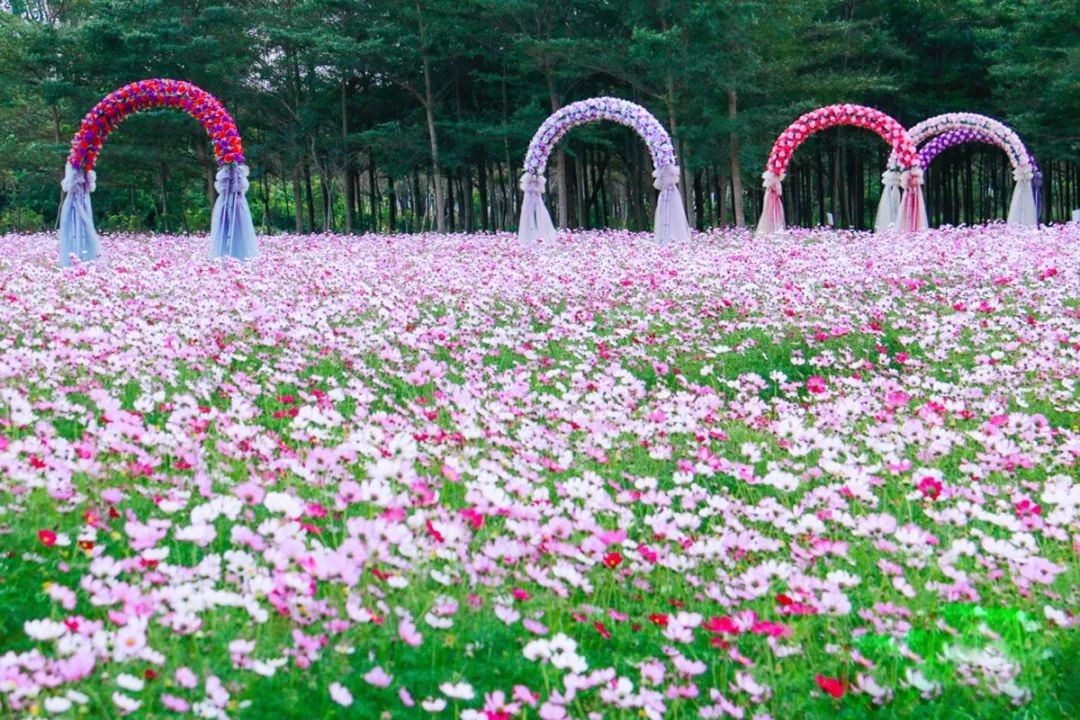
x=602 y=630
x=721 y=625
x=816 y=384
x=475 y=517
x=659 y=619
x=433 y=532
x=47 y=537
x=930 y=487
x=1026 y=507
x=613 y=560
x=833 y=686
x=784 y=600
x=150 y=673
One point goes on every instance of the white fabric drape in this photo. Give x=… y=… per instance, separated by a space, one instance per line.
x=772 y=210
x=1022 y=208
x=889 y=207
x=535 y=225
x=78 y=238
x=912 y=216
x=670 y=224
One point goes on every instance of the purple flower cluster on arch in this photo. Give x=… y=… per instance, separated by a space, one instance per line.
x=937 y=145
x=583 y=112
x=670 y=222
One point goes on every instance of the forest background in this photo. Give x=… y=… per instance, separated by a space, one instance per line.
x=414 y=115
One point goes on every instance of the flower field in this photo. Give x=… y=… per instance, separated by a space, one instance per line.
x=819 y=475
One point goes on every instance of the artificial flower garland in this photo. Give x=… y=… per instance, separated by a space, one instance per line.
x=670 y=223
x=152 y=95
x=1023 y=208
x=232 y=230
x=909 y=175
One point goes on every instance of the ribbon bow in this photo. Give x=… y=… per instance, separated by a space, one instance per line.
x=890 y=178
x=912 y=178
x=773 y=182
x=533 y=183
x=1024 y=172
x=79 y=180
x=666 y=178
x=232 y=179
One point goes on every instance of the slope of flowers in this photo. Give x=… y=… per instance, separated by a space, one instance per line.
x=827 y=475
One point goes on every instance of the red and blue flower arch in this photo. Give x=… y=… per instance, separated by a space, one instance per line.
x=232 y=231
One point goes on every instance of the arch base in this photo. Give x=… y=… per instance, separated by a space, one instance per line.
x=232 y=231
x=78 y=238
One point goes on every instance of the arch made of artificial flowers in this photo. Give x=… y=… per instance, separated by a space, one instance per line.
x=969 y=127
x=232 y=231
x=891 y=131
x=670 y=222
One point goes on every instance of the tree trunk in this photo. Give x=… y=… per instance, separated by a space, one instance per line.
x=373 y=200
x=391 y=194
x=298 y=201
x=309 y=195
x=429 y=112
x=350 y=188
x=736 y=161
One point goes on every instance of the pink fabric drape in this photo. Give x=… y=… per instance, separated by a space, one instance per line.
x=912 y=204
x=772 y=211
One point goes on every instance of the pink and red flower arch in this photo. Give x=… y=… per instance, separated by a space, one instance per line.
x=232 y=232
x=888 y=128
x=156 y=94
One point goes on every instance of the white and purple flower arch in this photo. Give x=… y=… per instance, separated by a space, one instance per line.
x=1022 y=210
x=937 y=145
x=536 y=226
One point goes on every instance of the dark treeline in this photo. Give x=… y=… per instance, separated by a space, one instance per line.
x=411 y=115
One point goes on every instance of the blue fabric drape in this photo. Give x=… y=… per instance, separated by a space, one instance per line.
x=232 y=231
x=78 y=238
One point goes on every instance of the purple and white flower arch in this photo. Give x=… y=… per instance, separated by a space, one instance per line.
x=952 y=138
x=1022 y=210
x=670 y=222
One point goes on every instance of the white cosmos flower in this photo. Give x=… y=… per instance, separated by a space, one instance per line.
x=44 y=630
x=433 y=705
x=458 y=691
x=341 y=695
x=287 y=505
x=126 y=703
x=57 y=705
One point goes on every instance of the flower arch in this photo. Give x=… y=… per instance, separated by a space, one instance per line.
x=1022 y=209
x=891 y=131
x=960 y=136
x=232 y=232
x=670 y=222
